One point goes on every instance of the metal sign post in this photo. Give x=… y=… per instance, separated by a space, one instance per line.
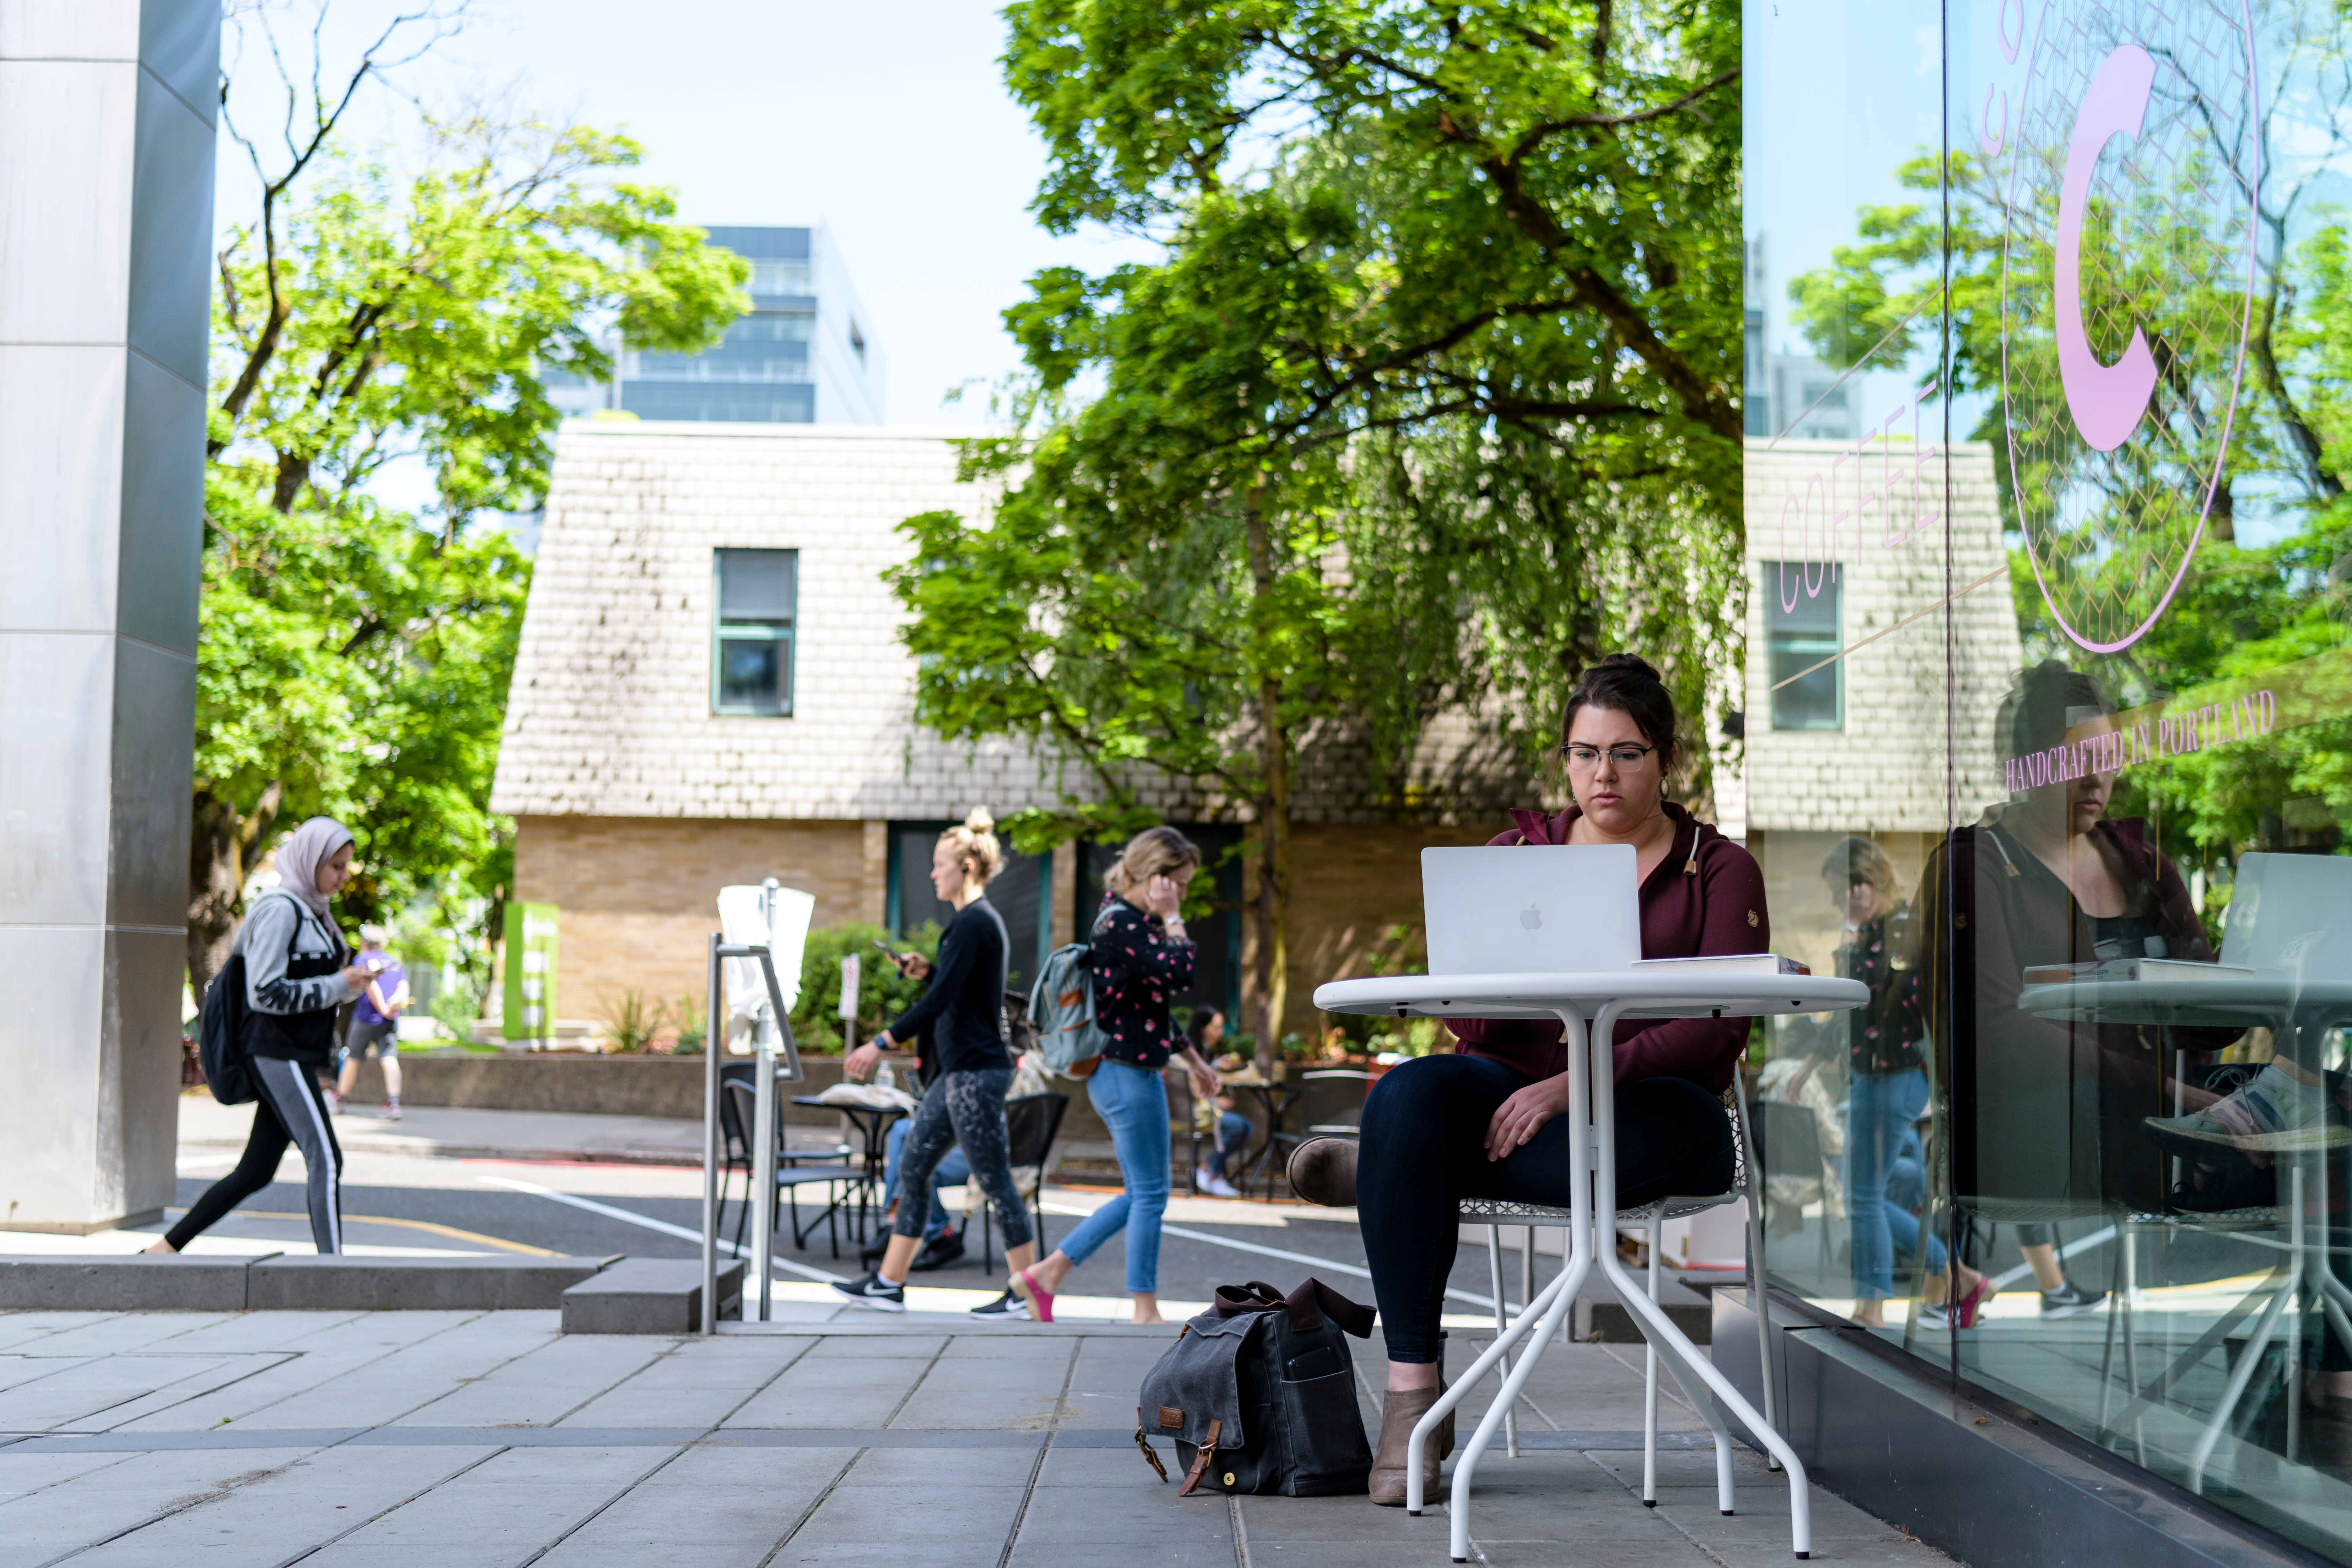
x=764 y=1150
x=763 y=1128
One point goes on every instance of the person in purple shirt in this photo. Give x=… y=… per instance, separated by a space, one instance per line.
x=375 y=1022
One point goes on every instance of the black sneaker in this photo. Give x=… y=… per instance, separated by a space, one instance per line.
x=1008 y=1308
x=2069 y=1300
x=876 y=1292
x=939 y=1252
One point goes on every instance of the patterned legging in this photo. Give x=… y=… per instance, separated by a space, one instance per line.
x=962 y=1110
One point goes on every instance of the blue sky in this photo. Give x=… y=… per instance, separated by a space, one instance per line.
x=889 y=122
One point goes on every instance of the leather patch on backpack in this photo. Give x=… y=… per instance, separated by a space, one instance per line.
x=1170 y=1416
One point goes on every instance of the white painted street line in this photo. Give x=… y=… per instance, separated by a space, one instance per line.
x=609 y=1212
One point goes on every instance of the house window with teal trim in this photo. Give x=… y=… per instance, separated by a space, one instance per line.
x=751 y=643
x=1801 y=642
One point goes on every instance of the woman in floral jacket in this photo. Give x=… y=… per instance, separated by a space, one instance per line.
x=1143 y=959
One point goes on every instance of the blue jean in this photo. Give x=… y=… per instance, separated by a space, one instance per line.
x=1233 y=1130
x=952 y=1173
x=1880 y=1111
x=1133 y=1103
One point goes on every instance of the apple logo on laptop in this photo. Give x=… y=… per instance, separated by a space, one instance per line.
x=1531 y=917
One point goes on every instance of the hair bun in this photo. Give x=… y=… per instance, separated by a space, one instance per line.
x=980 y=821
x=1632 y=663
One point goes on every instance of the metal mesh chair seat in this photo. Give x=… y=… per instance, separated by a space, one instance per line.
x=1502 y=1211
x=1497 y=1213
x=2223 y=1219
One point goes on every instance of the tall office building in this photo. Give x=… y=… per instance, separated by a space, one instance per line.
x=805 y=355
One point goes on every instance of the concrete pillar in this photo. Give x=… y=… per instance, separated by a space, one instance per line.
x=106 y=210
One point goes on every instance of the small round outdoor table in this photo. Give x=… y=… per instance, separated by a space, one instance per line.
x=2292 y=1005
x=871 y=1121
x=1276 y=1100
x=1605 y=998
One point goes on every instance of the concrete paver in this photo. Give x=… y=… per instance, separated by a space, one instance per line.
x=487 y=1440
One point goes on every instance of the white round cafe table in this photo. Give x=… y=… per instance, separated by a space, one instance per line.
x=1588 y=1007
x=2291 y=1003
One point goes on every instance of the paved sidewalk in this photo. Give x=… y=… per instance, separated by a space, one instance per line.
x=483 y=1440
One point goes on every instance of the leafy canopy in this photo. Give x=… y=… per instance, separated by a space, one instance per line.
x=356 y=655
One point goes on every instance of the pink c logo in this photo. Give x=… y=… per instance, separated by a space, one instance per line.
x=2114 y=469
x=2106 y=400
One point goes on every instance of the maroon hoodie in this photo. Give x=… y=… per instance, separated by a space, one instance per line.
x=1706 y=897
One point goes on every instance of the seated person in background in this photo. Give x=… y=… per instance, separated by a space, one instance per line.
x=1222 y=1118
x=1489 y=1121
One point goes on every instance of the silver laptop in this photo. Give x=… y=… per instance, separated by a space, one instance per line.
x=2292 y=912
x=1532 y=907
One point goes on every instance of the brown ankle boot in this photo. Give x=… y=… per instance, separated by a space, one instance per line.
x=1323 y=1170
x=1401 y=1411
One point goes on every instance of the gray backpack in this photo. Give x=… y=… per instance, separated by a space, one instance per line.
x=1259 y=1393
x=1062 y=1011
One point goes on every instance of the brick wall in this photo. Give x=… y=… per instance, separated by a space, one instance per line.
x=1348 y=886
x=638 y=895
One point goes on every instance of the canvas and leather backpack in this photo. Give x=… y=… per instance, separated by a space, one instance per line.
x=1259 y=1393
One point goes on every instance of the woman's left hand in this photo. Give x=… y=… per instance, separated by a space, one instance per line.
x=1522 y=1116
x=1205 y=1080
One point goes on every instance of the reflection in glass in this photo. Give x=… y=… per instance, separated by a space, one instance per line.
x=1800 y=630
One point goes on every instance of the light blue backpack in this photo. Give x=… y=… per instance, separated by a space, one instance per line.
x=1062 y=1006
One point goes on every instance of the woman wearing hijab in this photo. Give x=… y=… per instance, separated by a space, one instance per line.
x=297 y=972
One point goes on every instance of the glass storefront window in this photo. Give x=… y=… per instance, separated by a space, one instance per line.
x=1800 y=631
x=2049 y=324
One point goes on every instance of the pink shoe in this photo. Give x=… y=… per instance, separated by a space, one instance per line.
x=1040 y=1300
x=1964 y=1311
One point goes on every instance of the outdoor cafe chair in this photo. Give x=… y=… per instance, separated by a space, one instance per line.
x=1495 y=1213
x=1031 y=1124
x=738 y=1103
x=1789 y=1140
x=1280 y=1146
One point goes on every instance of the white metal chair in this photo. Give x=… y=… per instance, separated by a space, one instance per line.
x=1495 y=1214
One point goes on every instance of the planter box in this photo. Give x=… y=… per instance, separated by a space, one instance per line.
x=554 y=1080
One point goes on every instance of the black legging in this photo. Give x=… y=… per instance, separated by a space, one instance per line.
x=966 y=1111
x=1425 y=1150
x=289 y=1109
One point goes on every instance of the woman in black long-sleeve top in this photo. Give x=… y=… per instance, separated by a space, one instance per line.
x=963 y=1008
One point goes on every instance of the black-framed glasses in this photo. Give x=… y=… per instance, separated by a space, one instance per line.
x=1623 y=757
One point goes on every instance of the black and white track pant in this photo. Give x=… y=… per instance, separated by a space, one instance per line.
x=290 y=1108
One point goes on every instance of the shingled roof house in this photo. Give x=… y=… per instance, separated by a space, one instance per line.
x=710 y=690
x=1846 y=563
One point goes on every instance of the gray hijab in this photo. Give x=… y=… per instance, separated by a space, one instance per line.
x=306 y=849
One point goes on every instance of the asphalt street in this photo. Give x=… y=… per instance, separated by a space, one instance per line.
x=480 y=1206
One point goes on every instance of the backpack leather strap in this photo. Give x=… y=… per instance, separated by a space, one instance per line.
x=1202 y=1459
x=1148 y=1452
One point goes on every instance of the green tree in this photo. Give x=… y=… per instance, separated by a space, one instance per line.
x=355 y=657
x=2241 y=610
x=1401 y=246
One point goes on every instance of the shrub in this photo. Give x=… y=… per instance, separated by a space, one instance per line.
x=456 y=1010
x=882 y=993
x=686 y=1024
x=629 y=1023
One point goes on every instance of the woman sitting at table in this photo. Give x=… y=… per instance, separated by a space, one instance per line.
x=1489 y=1120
